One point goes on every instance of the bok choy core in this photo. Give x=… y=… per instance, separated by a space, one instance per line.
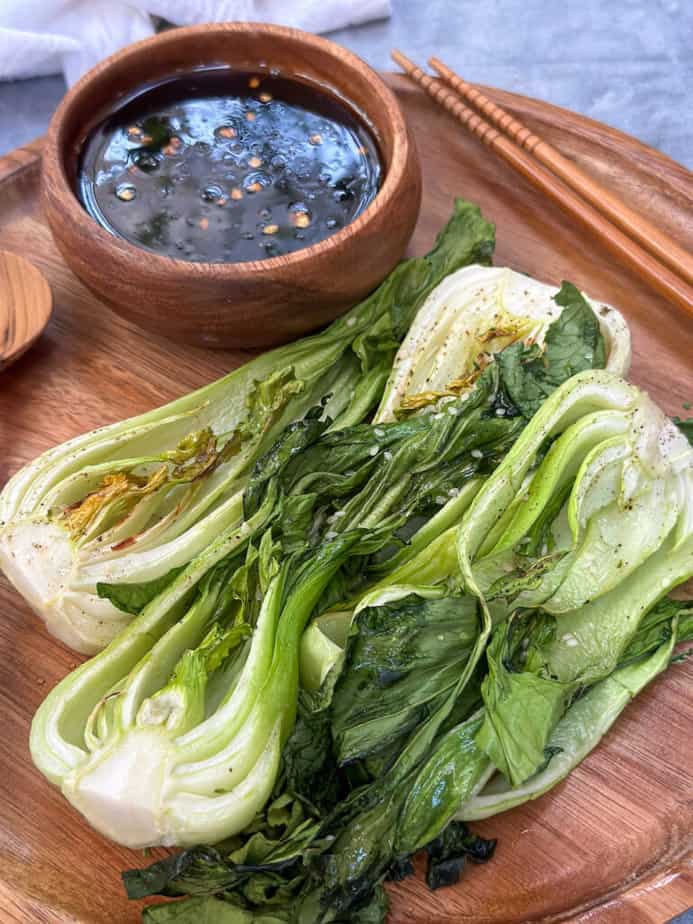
x=130 y=505
x=474 y=314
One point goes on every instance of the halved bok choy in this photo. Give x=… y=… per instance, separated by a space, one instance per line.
x=478 y=321
x=174 y=733
x=128 y=506
x=454 y=701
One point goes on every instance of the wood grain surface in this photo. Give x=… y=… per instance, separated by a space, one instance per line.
x=610 y=845
x=25 y=306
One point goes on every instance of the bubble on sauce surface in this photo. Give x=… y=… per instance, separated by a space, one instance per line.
x=256 y=181
x=144 y=160
x=212 y=193
x=126 y=192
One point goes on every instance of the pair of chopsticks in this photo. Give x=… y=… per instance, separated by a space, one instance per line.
x=646 y=250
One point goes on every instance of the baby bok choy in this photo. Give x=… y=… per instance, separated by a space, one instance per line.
x=95 y=528
x=341 y=817
x=459 y=700
x=173 y=734
x=480 y=323
x=575 y=545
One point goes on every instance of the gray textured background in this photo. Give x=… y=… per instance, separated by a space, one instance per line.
x=628 y=63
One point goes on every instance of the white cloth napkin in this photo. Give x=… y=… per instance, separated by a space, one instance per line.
x=47 y=36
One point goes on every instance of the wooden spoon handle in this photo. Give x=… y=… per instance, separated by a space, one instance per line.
x=25 y=306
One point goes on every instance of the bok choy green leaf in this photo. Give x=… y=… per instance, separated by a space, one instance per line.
x=592 y=714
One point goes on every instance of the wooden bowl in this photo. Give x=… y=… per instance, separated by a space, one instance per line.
x=241 y=304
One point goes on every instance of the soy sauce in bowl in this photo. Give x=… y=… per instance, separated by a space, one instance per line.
x=220 y=166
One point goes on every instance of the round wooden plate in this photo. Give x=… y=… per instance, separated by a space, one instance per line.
x=613 y=843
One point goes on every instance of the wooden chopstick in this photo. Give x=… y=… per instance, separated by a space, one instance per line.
x=634 y=225
x=659 y=277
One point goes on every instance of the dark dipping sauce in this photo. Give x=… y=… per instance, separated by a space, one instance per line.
x=226 y=167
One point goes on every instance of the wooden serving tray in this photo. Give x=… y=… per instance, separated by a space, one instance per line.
x=614 y=843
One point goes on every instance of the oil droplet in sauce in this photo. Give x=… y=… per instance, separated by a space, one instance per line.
x=300 y=215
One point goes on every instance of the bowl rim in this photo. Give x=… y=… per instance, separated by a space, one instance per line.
x=394 y=169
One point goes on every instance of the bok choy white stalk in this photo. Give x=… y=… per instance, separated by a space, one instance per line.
x=474 y=314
